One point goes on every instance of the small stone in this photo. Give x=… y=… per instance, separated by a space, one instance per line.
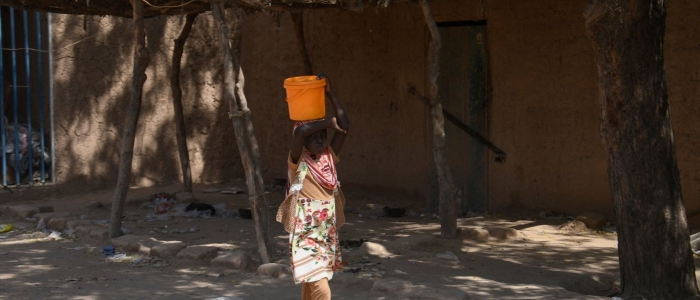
x=502 y=233
x=476 y=234
x=167 y=249
x=409 y=242
x=233 y=260
x=592 y=220
x=573 y=226
x=58 y=223
x=375 y=209
x=83 y=231
x=375 y=249
x=390 y=285
x=99 y=233
x=74 y=224
x=47 y=216
x=413 y=214
x=197 y=253
x=128 y=242
x=275 y=270
x=184 y=197
x=448 y=255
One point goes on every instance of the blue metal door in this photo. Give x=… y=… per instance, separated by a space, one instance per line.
x=26 y=134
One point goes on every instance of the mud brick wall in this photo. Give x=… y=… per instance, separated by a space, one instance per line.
x=544 y=109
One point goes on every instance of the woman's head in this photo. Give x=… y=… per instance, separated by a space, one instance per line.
x=316 y=142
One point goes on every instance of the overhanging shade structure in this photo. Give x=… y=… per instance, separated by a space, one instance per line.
x=153 y=8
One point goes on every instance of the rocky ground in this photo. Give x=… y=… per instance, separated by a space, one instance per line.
x=57 y=251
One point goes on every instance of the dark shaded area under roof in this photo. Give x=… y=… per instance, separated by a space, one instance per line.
x=153 y=8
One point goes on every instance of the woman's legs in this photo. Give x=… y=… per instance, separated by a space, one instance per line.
x=317 y=290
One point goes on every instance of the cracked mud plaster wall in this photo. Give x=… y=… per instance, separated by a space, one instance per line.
x=92 y=86
x=544 y=103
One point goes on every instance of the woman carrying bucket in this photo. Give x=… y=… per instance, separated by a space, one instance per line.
x=313 y=209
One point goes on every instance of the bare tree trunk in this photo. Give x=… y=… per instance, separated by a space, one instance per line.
x=180 y=129
x=298 y=19
x=257 y=196
x=141 y=60
x=654 y=249
x=448 y=203
x=250 y=160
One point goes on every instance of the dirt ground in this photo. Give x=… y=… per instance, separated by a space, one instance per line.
x=543 y=262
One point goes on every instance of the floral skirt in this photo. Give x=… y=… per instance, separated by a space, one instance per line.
x=314 y=248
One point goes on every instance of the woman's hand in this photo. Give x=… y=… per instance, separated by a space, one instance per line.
x=336 y=127
x=328 y=88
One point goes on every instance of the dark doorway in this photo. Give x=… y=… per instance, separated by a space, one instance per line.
x=463 y=87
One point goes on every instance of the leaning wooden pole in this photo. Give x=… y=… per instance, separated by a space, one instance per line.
x=448 y=203
x=257 y=197
x=180 y=129
x=236 y=114
x=656 y=261
x=141 y=60
x=298 y=20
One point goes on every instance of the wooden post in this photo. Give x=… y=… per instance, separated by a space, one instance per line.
x=257 y=197
x=448 y=203
x=180 y=129
x=656 y=261
x=249 y=156
x=141 y=60
x=298 y=20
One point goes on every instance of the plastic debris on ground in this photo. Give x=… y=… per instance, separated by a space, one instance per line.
x=74 y=248
x=204 y=209
x=153 y=217
x=695 y=243
x=54 y=236
x=233 y=191
x=366 y=269
x=118 y=257
x=103 y=223
x=6 y=228
x=135 y=260
x=69 y=232
x=108 y=250
x=162 y=203
x=41 y=225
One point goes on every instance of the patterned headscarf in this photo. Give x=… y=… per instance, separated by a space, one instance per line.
x=321 y=166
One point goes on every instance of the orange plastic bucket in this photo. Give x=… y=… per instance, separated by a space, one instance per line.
x=306 y=97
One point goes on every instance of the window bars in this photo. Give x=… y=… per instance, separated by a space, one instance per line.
x=26 y=135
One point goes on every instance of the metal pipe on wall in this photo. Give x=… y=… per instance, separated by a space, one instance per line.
x=3 y=155
x=14 y=94
x=41 y=96
x=28 y=79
